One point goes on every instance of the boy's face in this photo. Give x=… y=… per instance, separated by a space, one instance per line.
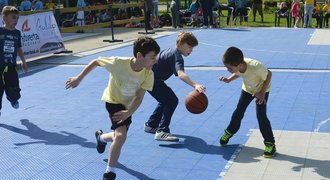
x=232 y=69
x=11 y=20
x=149 y=60
x=185 y=49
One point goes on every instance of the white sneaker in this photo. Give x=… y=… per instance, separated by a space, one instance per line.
x=149 y=129
x=163 y=136
x=204 y=27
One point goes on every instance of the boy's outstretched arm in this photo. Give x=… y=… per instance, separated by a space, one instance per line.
x=73 y=82
x=232 y=77
x=20 y=53
x=120 y=116
x=184 y=77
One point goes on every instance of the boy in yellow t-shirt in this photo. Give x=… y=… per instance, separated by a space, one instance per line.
x=256 y=84
x=128 y=81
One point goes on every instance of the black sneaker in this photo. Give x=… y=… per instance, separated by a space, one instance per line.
x=109 y=176
x=100 y=146
x=225 y=138
x=270 y=150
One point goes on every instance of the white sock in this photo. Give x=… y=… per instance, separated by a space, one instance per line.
x=110 y=169
x=102 y=139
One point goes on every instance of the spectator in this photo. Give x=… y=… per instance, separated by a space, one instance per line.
x=175 y=11
x=257 y=6
x=80 y=15
x=317 y=15
x=296 y=12
x=123 y=12
x=147 y=12
x=309 y=6
x=196 y=13
x=231 y=3
x=240 y=10
x=326 y=9
x=154 y=18
x=283 y=11
x=207 y=13
x=50 y=5
x=37 y=5
x=25 y=5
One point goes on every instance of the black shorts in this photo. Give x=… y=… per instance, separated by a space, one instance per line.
x=112 y=109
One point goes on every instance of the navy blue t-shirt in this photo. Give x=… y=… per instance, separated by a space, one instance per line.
x=10 y=41
x=169 y=61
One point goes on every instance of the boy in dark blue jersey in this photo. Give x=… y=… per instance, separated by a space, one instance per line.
x=169 y=62
x=10 y=47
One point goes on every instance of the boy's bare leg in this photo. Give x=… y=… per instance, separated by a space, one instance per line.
x=119 y=139
x=108 y=137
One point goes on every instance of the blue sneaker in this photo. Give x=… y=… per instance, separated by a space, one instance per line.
x=15 y=104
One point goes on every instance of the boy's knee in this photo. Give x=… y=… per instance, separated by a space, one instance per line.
x=120 y=138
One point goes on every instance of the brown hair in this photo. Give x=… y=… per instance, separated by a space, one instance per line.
x=9 y=10
x=144 y=45
x=187 y=37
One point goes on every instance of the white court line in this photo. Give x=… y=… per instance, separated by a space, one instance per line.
x=270 y=51
x=320 y=124
x=219 y=68
x=232 y=158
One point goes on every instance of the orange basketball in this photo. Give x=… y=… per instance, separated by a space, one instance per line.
x=196 y=102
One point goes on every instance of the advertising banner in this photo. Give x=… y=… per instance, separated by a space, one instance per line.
x=40 y=34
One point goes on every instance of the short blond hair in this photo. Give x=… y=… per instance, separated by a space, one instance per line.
x=186 y=37
x=9 y=10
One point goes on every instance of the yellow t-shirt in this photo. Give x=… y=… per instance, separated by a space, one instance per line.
x=123 y=81
x=254 y=76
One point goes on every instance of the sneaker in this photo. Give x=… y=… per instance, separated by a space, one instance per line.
x=100 y=146
x=270 y=150
x=149 y=129
x=225 y=138
x=204 y=27
x=164 y=136
x=15 y=104
x=109 y=176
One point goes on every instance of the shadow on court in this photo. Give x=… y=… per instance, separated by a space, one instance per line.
x=48 y=138
x=319 y=166
x=198 y=145
x=136 y=174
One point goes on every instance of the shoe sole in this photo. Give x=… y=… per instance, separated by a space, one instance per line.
x=269 y=156
x=176 y=140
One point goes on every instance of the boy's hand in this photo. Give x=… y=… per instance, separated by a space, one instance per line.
x=200 y=88
x=260 y=97
x=72 y=82
x=120 y=116
x=24 y=67
x=224 y=79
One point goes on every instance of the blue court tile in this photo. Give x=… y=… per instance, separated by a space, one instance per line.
x=201 y=174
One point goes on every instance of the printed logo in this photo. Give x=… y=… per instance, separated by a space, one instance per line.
x=25 y=26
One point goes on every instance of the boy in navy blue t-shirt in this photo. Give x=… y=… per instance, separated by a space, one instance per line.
x=10 y=47
x=169 y=62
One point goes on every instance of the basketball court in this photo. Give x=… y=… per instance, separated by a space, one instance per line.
x=51 y=136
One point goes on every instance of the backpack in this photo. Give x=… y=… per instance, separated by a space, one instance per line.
x=165 y=20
